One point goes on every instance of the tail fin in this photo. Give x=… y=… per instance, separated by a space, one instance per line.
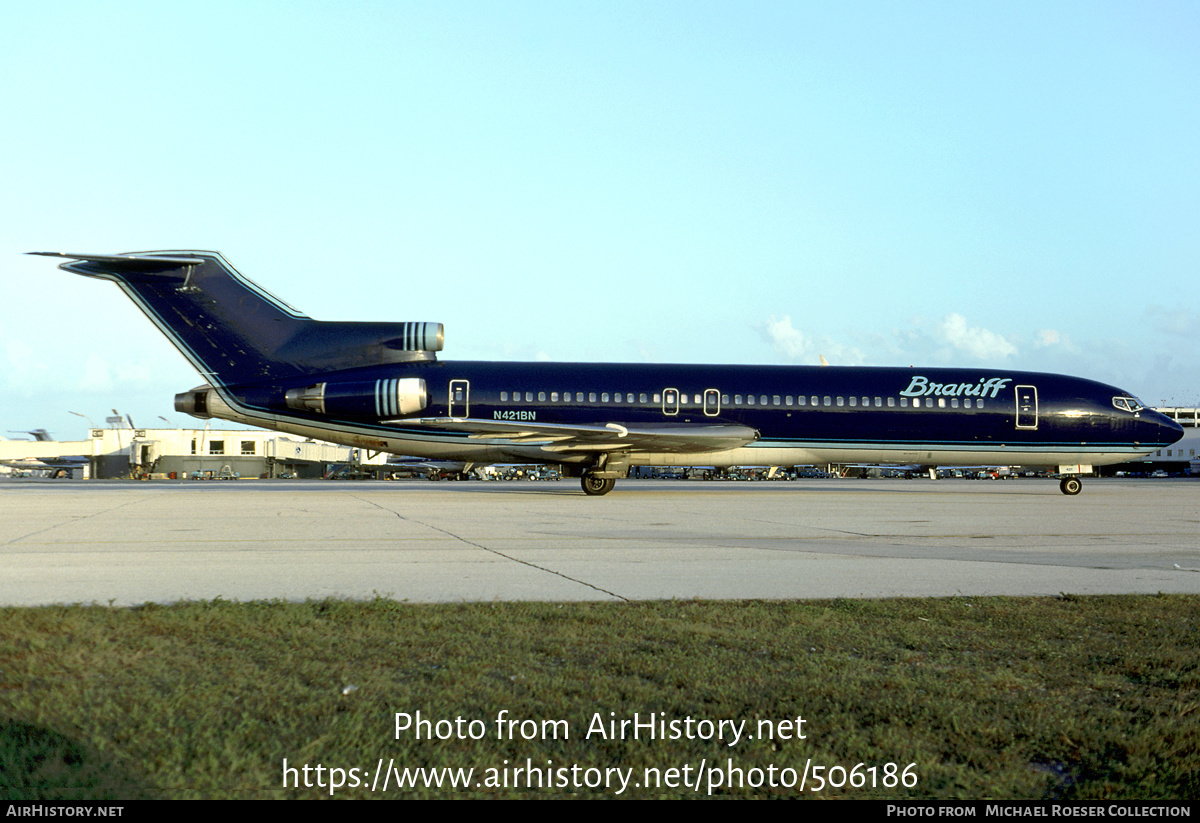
x=232 y=331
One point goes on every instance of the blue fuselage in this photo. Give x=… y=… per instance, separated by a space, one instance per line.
x=801 y=414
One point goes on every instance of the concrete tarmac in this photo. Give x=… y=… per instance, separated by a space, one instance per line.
x=127 y=543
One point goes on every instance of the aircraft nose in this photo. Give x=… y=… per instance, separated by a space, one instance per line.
x=1162 y=430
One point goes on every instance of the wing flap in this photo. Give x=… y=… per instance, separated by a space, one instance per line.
x=674 y=438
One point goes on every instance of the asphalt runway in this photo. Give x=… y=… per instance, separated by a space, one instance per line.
x=127 y=543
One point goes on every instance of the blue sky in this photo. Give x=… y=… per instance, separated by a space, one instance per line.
x=976 y=184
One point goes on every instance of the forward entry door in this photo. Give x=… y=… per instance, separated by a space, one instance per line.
x=1027 y=407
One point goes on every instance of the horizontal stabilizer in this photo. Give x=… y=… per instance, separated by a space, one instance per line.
x=99 y=264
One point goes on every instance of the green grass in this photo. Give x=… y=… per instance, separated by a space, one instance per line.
x=1074 y=697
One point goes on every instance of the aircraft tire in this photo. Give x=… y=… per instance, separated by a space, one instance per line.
x=596 y=486
x=1070 y=485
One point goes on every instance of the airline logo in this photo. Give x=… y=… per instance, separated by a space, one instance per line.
x=921 y=386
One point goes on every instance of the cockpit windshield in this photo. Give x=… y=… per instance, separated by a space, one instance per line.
x=1127 y=403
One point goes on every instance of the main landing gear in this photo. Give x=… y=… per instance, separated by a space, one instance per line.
x=1070 y=485
x=595 y=486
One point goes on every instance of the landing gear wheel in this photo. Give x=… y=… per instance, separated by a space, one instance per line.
x=596 y=486
x=1071 y=485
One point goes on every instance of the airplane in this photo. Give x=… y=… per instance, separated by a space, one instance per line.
x=433 y=469
x=381 y=386
x=56 y=465
x=40 y=435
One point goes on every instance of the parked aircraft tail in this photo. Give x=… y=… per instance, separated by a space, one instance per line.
x=232 y=331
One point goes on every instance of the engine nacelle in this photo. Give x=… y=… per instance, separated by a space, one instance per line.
x=418 y=337
x=375 y=400
x=194 y=402
x=205 y=403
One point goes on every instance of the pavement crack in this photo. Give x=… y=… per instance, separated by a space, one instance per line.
x=64 y=522
x=490 y=550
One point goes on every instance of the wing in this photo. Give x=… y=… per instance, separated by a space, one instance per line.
x=673 y=438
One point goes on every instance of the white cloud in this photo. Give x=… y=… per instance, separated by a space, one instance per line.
x=974 y=341
x=796 y=346
x=1055 y=341
x=1047 y=337
x=1178 y=322
x=786 y=338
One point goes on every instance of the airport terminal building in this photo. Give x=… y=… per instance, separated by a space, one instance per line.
x=200 y=454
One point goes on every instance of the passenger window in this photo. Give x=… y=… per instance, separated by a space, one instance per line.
x=591 y=397
x=604 y=397
x=853 y=401
x=503 y=396
x=775 y=400
x=541 y=397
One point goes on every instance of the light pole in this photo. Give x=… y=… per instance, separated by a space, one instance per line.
x=91 y=425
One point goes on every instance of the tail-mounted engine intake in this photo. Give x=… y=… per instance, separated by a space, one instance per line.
x=377 y=400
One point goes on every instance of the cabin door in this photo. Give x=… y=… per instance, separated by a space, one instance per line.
x=670 y=401
x=1027 y=407
x=712 y=402
x=459 y=404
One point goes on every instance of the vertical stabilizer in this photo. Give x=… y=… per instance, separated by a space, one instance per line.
x=232 y=331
